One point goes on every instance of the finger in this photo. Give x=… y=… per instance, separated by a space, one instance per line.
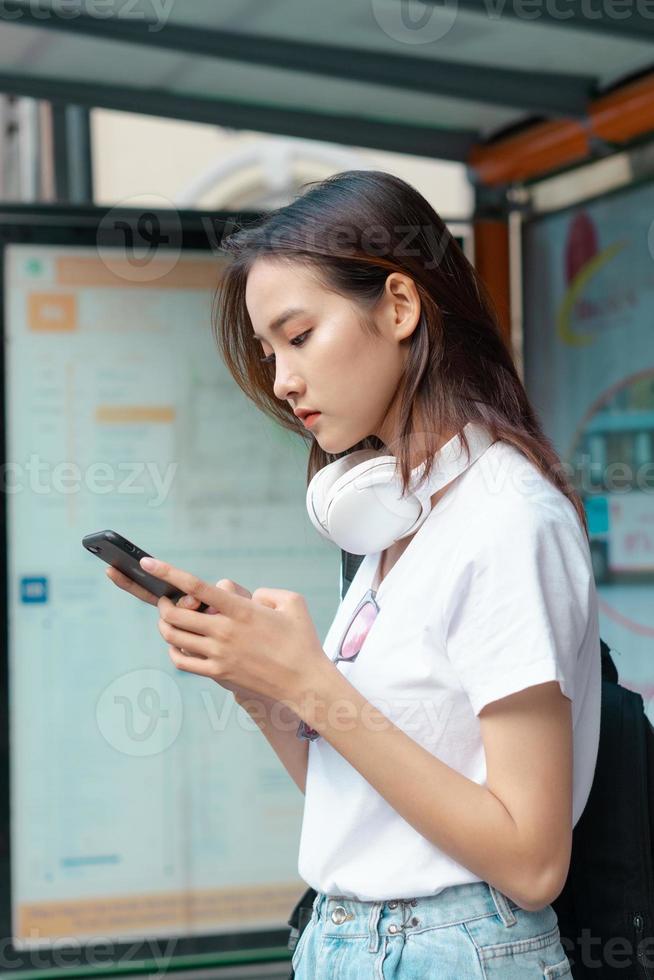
x=274 y=598
x=234 y=588
x=229 y=586
x=188 y=602
x=191 y=642
x=196 y=656
x=211 y=595
x=194 y=665
x=185 y=619
x=129 y=585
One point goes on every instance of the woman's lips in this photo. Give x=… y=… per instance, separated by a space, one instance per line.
x=308 y=420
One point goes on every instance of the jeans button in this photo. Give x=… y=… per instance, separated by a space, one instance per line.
x=392 y=905
x=393 y=929
x=339 y=915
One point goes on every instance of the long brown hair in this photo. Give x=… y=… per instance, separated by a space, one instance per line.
x=352 y=230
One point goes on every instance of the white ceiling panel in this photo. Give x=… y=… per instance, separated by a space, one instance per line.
x=293 y=65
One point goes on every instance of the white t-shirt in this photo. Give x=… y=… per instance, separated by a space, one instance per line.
x=493 y=594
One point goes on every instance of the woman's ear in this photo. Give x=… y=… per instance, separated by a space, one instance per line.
x=402 y=305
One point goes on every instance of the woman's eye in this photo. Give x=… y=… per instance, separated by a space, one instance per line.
x=296 y=342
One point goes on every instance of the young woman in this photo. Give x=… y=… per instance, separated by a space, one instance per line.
x=449 y=722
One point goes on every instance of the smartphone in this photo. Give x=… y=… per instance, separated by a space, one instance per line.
x=125 y=556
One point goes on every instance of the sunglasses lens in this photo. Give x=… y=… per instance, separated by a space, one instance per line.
x=352 y=643
x=305 y=731
x=358 y=631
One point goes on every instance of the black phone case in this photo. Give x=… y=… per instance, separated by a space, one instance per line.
x=125 y=556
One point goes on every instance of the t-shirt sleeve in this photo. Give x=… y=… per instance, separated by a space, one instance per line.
x=519 y=607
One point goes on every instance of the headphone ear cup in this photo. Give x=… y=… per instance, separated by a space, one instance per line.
x=327 y=481
x=358 y=502
x=359 y=507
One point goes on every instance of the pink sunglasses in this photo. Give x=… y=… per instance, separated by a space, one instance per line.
x=350 y=645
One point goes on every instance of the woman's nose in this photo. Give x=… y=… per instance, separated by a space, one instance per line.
x=286 y=384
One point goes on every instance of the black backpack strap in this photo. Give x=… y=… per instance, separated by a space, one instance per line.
x=609 y=670
x=349 y=567
x=300 y=916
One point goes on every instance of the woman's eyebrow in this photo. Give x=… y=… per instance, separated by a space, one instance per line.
x=280 y=320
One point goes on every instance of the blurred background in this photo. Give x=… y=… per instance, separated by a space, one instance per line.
x=146 y=824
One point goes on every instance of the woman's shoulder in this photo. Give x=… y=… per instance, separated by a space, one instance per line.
x=512 y=508
x=510 y=487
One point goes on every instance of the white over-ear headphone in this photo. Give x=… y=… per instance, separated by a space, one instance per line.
x=356 y=502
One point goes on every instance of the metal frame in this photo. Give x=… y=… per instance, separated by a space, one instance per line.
x=72 y=153
x=445 y=144
x=589 y=180
x=537 y=92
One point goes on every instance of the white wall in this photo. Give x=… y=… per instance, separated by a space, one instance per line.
x=152 y=158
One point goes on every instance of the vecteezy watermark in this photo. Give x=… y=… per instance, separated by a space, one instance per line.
x=41 y=952
x=154 y=14
x=588 y=476
x=65 y=477
x=425 y=242
x=413 y=21
x=499 y=473
x=591 y=952
x=564 y=10
x=615 y=477
x=416 y=22
x=140 y=241
x=140 y=713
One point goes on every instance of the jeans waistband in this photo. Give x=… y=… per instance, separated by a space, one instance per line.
x=458 y=903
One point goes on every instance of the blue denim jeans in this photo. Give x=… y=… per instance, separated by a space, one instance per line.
x=466 y=932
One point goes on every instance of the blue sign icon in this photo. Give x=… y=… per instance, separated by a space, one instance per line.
x=34 y=589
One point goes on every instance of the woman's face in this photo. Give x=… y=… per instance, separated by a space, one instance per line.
x=323 y=358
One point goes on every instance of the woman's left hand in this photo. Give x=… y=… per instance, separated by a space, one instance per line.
x=267 y=644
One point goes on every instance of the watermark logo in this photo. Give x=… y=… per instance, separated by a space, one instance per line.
x=134 y=243
x=66 y=477
x=140 y=713
x=152 y=14
x=415 y=22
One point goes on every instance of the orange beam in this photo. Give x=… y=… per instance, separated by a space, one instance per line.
x=491 y=239
x=618 y=117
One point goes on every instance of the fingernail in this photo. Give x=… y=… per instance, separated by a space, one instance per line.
x=149 y=564
x=187 y=601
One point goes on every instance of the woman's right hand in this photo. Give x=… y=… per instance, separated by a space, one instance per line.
x=189 y=602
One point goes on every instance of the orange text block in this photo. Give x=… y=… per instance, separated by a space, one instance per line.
x=134 y=413
x=52 y=311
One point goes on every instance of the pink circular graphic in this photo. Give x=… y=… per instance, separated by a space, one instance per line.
x=581 y=246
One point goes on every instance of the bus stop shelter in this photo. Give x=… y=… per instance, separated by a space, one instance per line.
x=546 y=102
x=515 y=89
